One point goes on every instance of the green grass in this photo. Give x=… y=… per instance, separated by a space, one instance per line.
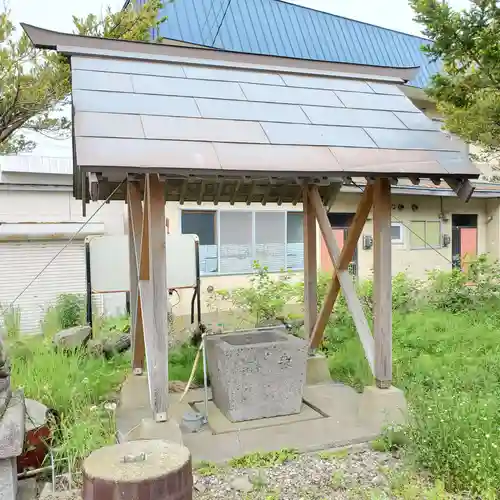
x=206 y=469
x=74 y=384
x=449 y=366
x=263 y=459
x=180 y=363
x=79 y=385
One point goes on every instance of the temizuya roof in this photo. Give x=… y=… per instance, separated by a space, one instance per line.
x=242 y=127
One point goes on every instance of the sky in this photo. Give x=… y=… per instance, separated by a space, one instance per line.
x=57 y=15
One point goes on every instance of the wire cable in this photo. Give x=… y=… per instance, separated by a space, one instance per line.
x=221 y=22
x=399 y=221
x=67 y=244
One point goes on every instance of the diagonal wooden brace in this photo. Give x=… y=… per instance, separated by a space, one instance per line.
x=345 y=279
x=346 y=256
x=135 y=218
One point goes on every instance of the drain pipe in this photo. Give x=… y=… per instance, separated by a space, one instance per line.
x=205 y=383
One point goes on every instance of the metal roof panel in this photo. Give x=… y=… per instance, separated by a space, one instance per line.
x=275 y=27
x=272 y=151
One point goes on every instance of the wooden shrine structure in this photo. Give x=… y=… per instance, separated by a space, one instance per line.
x=168 y=122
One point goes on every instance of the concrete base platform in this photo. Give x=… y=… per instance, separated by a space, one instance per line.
x=333 y=415
x=134 y=420
x=219 y=424
x=317 y=370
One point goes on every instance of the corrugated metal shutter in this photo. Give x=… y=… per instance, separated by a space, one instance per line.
x=270 y=239
x=21 y=261
x=236 y=252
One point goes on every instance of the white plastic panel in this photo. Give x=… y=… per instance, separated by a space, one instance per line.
x=109 y=262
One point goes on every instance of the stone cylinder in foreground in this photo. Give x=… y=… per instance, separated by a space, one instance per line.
x=139 y=470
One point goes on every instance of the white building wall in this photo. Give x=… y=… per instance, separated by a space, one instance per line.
x=37 y=192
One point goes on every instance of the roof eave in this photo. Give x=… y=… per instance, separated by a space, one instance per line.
x=76 y=44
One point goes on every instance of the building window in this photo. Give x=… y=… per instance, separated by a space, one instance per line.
x=231 y=240
x=235 y=231
x=295 y=240
x=204 y=225
x=425 y=234
x=397 y=233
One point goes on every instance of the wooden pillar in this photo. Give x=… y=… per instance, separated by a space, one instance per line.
x=382 y=283
x=135 y=217
x=310 y=265
x=154 y=296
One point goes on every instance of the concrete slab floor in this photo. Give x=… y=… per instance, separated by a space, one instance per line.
x=333 y=415
x=219 y=424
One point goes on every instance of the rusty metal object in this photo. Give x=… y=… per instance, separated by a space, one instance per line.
x=139 y=470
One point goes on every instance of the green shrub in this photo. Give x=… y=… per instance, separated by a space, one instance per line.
x=265 y=298
x=70 y=310
x=456 y=290
x=406 y=292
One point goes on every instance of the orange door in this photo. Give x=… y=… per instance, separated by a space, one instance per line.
x=468 y=245
x=326 y=262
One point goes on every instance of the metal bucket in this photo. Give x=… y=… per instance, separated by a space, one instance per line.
x=192 y=421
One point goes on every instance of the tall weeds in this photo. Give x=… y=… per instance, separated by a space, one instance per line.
x=76 y=385
x=446 y=349
x=446 y=353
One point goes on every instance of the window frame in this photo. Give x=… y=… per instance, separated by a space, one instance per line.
x=217 y=211
x=401 y=239
x=198 y=211
x=427 y=246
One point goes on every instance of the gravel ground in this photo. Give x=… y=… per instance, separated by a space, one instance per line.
x=356 y=474
x=341 y=475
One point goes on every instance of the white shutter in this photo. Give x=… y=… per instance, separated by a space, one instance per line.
x=236 y=252
x=21 y=261
x=295 y=241
x=270 y=240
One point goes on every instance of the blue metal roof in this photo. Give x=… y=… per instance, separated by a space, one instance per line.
x=275 y=27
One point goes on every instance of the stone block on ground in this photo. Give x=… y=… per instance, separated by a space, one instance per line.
x=12 y=427
x=242 y=484
x=257 y=374
x=5 y=396
x=317 y=370
x=380 y=408
x=4 y=384
x=36 y=414
x=149 y=429
x=27 y=489
x=72 y=338
x=8 y=479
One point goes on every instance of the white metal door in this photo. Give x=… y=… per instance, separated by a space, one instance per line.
x=21 y=261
